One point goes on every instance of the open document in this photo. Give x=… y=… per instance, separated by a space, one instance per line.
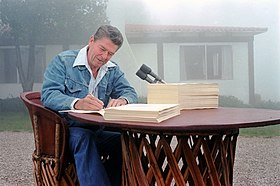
x=137 y=112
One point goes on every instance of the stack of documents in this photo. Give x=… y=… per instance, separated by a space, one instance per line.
x=142 y=112
x=187 y=95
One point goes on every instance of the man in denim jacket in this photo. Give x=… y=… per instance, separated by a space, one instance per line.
x=87 y=79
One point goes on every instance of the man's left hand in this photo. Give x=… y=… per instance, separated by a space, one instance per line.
x=117 y=102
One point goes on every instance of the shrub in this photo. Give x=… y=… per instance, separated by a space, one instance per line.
x=267 y=104
x=231 y=101
x=12 y=105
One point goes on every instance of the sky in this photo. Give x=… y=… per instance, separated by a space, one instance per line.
x=213 y=12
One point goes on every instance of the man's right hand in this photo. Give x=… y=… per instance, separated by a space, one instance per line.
x=89 y=103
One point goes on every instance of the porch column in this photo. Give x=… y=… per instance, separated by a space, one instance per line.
x=251 y=70
x=160 y=65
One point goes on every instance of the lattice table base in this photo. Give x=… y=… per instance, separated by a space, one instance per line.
x=181 y=159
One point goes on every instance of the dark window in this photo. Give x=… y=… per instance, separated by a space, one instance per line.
x=206 y=62
x=8 y=68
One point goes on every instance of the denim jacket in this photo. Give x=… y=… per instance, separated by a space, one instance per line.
x=63 y=83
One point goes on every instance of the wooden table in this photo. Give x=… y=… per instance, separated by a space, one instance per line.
x=195 y=148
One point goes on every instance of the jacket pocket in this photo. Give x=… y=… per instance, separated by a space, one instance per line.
x=72 y=88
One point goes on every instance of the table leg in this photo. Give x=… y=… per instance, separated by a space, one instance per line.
x=189 y=159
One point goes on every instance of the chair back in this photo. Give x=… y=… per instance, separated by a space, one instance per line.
x=50 y=156
x=47 y=125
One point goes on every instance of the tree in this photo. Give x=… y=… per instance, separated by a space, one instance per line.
x=33 y=22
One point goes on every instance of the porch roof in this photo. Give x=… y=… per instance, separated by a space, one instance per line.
x=138 y=28
x=137 y=31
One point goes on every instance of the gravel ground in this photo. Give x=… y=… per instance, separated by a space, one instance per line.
x=257 y=160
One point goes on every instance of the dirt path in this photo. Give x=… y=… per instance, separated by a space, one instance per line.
x=257 y=160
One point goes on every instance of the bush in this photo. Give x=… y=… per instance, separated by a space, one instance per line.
x=231 y=101
x=12 y=105
x=267 y=105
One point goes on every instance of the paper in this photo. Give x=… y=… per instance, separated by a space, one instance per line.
x=136 y=112
x=101 y=112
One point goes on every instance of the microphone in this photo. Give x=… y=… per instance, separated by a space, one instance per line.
x=148 y=70
x=143 y=76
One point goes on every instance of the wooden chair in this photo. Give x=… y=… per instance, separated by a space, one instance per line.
x=52 y=164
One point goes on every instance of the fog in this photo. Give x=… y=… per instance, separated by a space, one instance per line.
x=224 y=13
x=236 y=13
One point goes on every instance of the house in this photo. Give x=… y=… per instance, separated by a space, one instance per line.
x=177 y=53
x=186 y=53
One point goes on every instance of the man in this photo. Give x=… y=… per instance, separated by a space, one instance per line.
x=87 y=79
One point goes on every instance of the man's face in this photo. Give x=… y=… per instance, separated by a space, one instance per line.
x=100 y=51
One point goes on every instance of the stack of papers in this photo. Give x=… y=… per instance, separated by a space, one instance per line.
x=142 y=112
x=187 y=95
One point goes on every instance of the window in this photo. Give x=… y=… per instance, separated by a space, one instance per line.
x=206 y=62
x=8 y=68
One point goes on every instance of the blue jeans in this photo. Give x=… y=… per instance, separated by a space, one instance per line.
x=87 y=146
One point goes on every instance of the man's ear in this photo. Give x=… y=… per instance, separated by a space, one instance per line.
x=91 y=39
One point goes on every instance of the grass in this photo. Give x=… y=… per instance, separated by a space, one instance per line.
x=20 y=121
x=16 y=121
x=267 y=131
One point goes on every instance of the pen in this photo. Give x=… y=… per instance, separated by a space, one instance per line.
x=97 y=99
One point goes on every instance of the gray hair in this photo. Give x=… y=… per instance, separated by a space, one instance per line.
x=110 y=32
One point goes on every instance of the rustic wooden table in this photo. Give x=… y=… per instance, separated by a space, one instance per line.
x=195 y=148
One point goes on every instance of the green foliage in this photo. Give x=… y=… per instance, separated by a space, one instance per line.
x=11 y=105
x=267 y=104
x=15 y=121
x=267 y=131
x=52 y=21
x=231 y=101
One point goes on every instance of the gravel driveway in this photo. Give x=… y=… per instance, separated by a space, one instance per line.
x=257 y=160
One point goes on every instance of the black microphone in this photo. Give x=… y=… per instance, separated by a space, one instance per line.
x=148 y=70
x=143 y=76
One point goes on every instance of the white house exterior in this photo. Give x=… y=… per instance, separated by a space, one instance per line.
x=183 y=53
